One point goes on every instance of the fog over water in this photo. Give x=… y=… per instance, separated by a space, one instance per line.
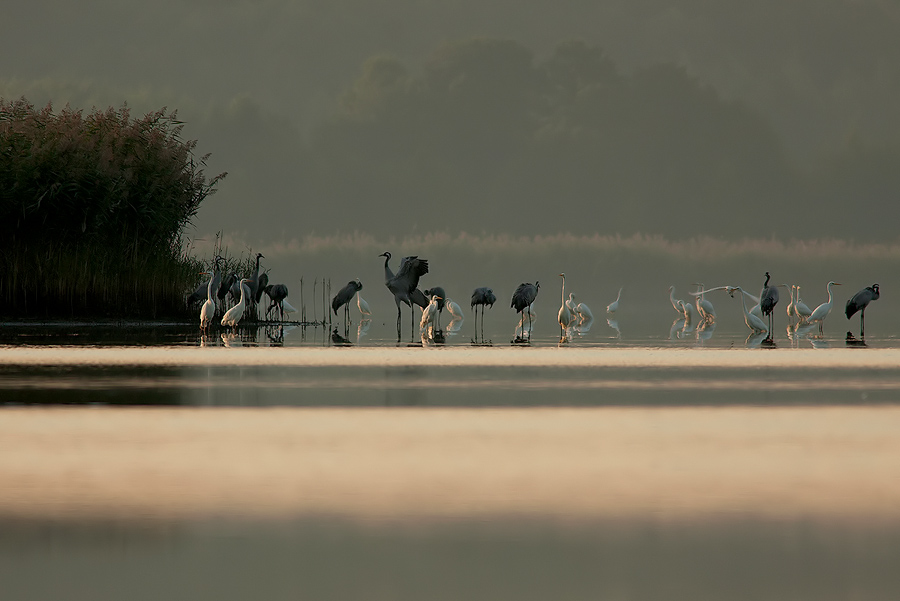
x=632 y=145
x=407 y=118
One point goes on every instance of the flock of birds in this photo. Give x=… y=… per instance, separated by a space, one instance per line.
x=760 y=317
x=246 y=293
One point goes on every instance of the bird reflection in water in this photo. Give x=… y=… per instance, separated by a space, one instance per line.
x=339 y=340
x=614 y=324
x=362 y=329
x=705 y=330
x=454 y=326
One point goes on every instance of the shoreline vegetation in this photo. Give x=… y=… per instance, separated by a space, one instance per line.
x=92 y=212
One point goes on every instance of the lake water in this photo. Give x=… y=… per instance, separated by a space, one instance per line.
x=148 y=462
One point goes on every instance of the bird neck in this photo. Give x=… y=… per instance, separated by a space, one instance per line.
x=388 y=274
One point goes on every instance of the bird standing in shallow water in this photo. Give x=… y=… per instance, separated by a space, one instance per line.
x=208 y=311
x=768 y=298
x=523 y=298
x=753 y=322
x=404 y=285
x=234 y=314
x=564 y=317
x=362 y=305
x=342 y=299
x=821 y=312
x=614 y=306
x=481 y=297
x=859 y=302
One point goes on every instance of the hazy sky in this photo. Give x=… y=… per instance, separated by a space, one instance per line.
x=256 y=81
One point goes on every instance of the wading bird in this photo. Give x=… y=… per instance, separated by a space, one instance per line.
x=481 y=297
x=208 y=311
x=277 y=293
x=261 y=284
x=522 y=298
x=704 y=307
x=362 y=305
x=253 y=278
x=859 y=302
x=800 y=308
x=792 y=307
x=821 y=312
x=756 y=324
x=437 y=290
x=564 y=317
x=404 y=283
x=676 y=304
x=429 y=317
x=234 y=314
x=343 y=297
x=584 y=314
x=768 y=298
x=614 y=306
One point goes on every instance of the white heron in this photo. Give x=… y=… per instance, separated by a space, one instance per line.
x=821 y=312
x=674 y=300
x=570 y=303
x=234 y=314
x=429 y=315
x=362 y=305
x=584 y=313
x=792 y=308
x=564 y=317
x=756 y=324
x=802 y=310
x=704 y=307
x=614 y=306
x=208 y=311
x=754 y=310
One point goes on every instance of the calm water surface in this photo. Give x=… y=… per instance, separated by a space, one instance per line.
x=149 y=462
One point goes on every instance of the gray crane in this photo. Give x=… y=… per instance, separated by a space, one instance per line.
x=226 y=285
x=438 y=292
x=404 y=284
x=768 y=298
x=261 y=286
x=523 y=297
x=253 y=280
x=859 y=302
x=343 y=298
x=276 y=293
x=482 y=296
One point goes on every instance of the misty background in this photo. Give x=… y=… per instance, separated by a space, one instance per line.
x=626 y=143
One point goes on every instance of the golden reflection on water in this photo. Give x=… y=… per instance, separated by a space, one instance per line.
x=406 y=463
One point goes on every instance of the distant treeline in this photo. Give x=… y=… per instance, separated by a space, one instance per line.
x=92 y=210
x=487 y=136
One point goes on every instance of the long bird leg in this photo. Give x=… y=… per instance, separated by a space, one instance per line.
x=862 y=323
x=398 y=320
x=530 y=326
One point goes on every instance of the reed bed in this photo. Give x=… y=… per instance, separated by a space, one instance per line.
x=92 y=212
